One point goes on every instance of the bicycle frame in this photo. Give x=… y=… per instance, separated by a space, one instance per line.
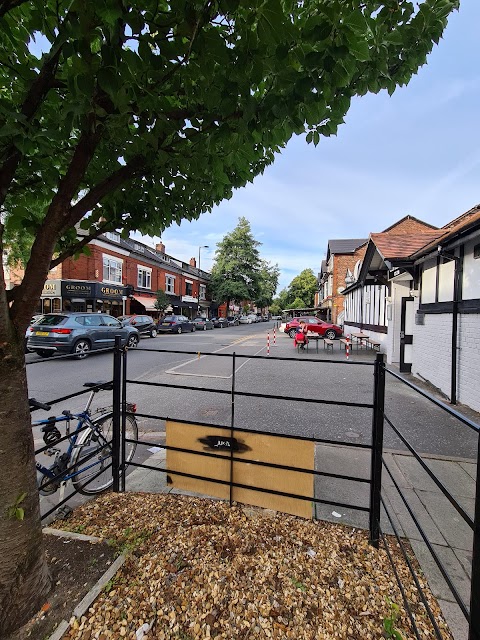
x=83 y=418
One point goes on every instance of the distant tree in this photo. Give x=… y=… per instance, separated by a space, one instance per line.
x=162 y=301
x=298 y=303
x=268 y=283
x=282 y=299
x=274 y=309
x=303 y=287
x=236 y=271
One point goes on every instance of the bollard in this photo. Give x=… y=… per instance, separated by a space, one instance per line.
x=274 y=341
x=347 y=348
x=268 y=343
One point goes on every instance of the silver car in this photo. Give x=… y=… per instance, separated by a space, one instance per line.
x=78 y=334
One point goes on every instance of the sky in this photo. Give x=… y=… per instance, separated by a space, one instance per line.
x=415 y=153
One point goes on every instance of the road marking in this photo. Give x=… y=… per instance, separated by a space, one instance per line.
x=174 y=371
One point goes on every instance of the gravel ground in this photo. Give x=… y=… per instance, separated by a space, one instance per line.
x=201 y=569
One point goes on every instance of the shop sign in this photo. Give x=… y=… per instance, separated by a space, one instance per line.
x=77 y=289
x=189 y=299
x=51 y=288
x=107 y=291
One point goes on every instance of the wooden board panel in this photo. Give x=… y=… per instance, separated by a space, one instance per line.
x=255 y=447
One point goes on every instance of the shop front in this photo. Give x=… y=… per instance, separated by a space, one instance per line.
x=79 y=295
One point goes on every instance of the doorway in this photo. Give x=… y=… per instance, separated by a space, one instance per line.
x=406 y=334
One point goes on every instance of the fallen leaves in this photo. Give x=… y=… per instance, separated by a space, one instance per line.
x=199 y=568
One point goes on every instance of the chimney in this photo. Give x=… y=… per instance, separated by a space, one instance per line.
x=193 y=262
x=160 y=247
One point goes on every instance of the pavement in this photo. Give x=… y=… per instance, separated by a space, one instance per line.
x=450 y=537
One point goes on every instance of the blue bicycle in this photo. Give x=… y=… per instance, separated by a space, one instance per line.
x=87 y=461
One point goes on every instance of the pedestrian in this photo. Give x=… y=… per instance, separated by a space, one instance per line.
x=301 y=335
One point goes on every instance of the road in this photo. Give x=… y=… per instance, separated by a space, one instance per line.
x=430 y=430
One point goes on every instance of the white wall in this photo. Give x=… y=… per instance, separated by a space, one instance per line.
x=471 y=272
x=432 y=355
x=429 y=277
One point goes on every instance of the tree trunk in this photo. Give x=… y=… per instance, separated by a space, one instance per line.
x=24 y=577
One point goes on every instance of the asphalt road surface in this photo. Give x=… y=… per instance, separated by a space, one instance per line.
x=325 y=376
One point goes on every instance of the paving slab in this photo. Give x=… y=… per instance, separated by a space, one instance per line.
x=454 y=529
x=470 y=468
x=430 y=528
x=455 y=619
x=393 y=462
x=452 y=566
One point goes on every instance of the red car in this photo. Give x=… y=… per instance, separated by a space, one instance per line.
x=326 y=329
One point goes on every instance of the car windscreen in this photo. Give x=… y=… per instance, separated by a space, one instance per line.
x=53 y=321
x=169 y=319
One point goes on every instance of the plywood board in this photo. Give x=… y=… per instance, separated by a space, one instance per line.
x=254 y=447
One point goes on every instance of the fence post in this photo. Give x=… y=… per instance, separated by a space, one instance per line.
x=232 y=425
x=123 y=456
x=474 y=627
x=117 y=390
x=377 y=449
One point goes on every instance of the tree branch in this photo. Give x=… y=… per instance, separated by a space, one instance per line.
x=8 y=5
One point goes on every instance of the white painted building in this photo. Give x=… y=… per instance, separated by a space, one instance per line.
x=405 y=297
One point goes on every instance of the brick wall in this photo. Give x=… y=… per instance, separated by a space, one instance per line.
x=342 y=262
x=432 y=355
x=406 y=226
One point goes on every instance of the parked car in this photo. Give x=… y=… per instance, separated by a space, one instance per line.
x=175 y=324
x=245 y=320
x=33 y=320
x=144 y=324
x=326 y=329
x=219 y=323
x=202 y=323
x=265 y=317
x=253 y=316
x=233 y=321
x=78 y=334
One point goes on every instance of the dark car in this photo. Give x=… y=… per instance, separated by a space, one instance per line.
x=78 y=333
x=175 y=324
x=233 y=321
x=326 y=329
x=202 y=323
x=219 y=323
x=144 y=324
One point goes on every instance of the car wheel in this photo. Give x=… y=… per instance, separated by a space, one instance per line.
x=45 y=354
x=81 y=349
x=153 y=333
x=179 y=330
x=132 y=342
x=330 y=334
x=204 y=327
x=292 y=333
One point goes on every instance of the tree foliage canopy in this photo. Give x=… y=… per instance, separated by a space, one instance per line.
x=267 y=284
x=136 y=115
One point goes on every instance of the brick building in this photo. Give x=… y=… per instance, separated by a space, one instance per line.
x=343 y=256
x=122 y=276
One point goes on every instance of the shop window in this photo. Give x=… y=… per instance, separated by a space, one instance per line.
x=144 y=280
x=112 y=269
x=169 y=284
x=203 y=292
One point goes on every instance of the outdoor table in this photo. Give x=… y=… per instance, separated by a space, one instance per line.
x=361 y=339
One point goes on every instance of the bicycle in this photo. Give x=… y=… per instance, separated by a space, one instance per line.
x=87 y=462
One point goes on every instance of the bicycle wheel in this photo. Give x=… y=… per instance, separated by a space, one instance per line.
x=92 y=458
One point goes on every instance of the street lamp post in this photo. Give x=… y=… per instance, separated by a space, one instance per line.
x=203 y=246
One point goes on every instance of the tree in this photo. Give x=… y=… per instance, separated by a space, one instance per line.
x=298 y=303
x=268 y=283
x=132 y=116
x=303 y=287
x=282 y=299
x=162 y=301
x=236 y=271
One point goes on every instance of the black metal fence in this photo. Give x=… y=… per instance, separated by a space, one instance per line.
x=377 y=502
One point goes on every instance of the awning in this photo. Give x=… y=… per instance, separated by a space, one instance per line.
x=148 y=303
